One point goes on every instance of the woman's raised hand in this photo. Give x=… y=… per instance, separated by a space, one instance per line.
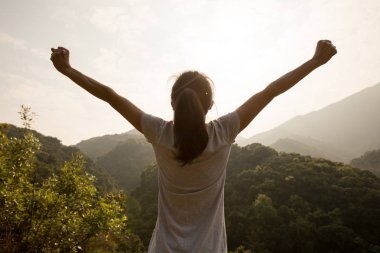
x=324 y=51
x=60 y=58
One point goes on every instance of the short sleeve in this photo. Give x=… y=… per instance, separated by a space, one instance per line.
x=231 y=125
x=151 y=127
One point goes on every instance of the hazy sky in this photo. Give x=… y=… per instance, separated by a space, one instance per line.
x=135 y=47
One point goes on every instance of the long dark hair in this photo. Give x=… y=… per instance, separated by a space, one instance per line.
x=191 y=99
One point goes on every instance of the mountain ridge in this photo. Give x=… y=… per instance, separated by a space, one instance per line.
x=349 y=125
x=100 y=145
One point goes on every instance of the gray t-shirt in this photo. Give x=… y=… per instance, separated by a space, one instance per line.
x=191 y=197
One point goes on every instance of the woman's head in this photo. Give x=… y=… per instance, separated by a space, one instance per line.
x=196 y=81
x=191 y=99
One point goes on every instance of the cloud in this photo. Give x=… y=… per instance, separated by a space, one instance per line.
x=111 y=19
x=8 y=39
x=42 y=53
x=131 y=25
x=106 y=62
x=18 y=87
x=117 y=19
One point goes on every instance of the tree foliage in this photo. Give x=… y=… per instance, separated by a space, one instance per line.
x=143 y=216
x=278 y=202
x=52 y=155
x=61 y=213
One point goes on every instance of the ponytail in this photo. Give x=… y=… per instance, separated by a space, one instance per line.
x=190 y=133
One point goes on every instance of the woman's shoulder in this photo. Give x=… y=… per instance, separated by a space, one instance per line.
x=225 y=127
x=226 y=120
x=153 y=126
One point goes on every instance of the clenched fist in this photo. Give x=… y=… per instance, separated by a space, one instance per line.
x=324 y=51
x=60 y=58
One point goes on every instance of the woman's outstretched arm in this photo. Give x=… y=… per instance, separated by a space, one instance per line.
x=60 y=59
x=249 y=110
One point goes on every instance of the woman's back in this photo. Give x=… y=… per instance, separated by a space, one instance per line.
x=192 y=156
x=191 y=197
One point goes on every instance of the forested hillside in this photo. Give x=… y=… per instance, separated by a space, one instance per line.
x=123 y=156
x=369 y=161
x=126 y=162
x=278 y=202
x=274 y=202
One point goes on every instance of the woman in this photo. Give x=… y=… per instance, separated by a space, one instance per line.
x=191 y=155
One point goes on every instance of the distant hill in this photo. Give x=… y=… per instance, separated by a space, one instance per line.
x=308 y=146
x=340 y=132
x=123 y=156
x=293 y=146
x=127 y=161
x=99 y=146
x=369 y=161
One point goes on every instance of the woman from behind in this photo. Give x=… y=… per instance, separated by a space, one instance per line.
x=191 y=154
x=192 y=158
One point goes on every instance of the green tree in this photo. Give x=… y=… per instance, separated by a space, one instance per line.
x=64 y=212
x=263 y=217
